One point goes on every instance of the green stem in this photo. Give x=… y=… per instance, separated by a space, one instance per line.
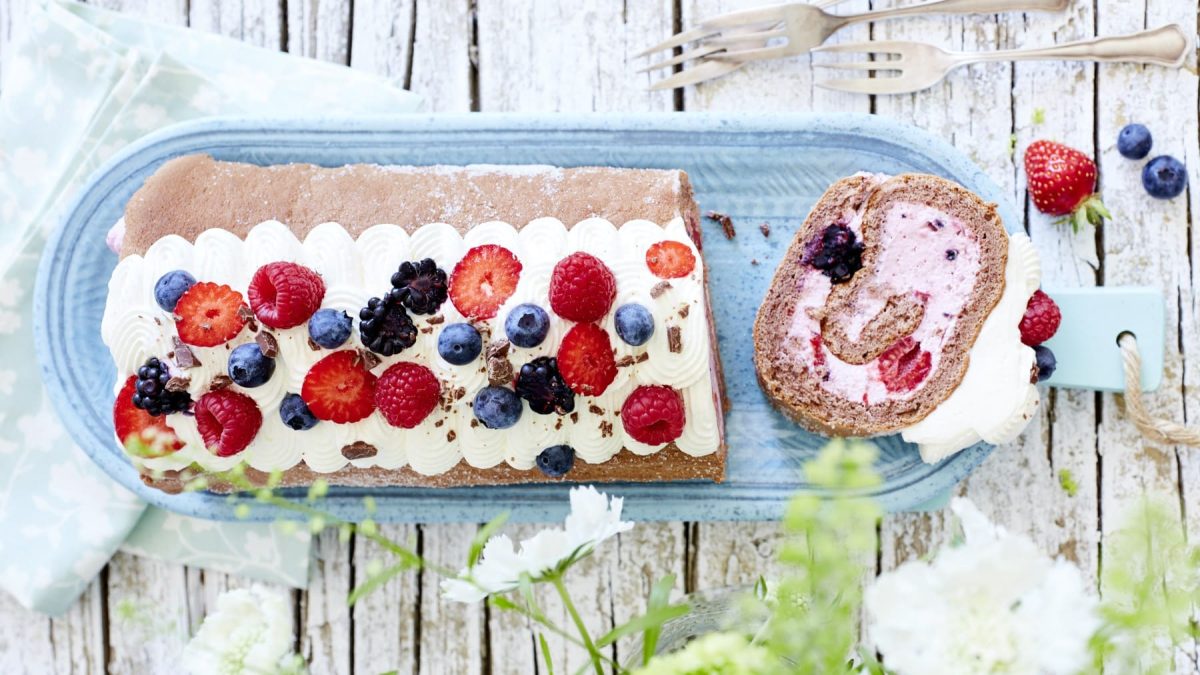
x=537 y=617
x=583 y=631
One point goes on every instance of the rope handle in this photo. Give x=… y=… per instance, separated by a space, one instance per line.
x=1155 y=428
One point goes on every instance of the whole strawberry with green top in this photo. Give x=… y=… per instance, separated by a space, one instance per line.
x=1062 y=182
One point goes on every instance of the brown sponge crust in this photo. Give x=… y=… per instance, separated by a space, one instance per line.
x=793 y=388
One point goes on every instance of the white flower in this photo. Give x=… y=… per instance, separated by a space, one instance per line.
x=250 y=632
x=593 y=519
x=996 y=604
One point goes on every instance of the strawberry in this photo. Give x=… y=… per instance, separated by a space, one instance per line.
x=284 y=294
x=585 y=359
x=904 y=365
x=653 y=414
x=1062 y=182
x=485 y=277
x=406 y=393
x=339 y=388
x=1041 y=319
x=670 y=259
x=227 y=421
x=582 y=288
x=155 y=436
x=209 y=314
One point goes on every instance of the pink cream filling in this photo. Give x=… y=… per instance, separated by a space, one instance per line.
x=923 y=253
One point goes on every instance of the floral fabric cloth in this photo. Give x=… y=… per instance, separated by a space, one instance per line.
x=78 y=85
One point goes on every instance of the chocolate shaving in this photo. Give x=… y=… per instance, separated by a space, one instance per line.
x=178 y=384
x=458 y=393
x=625 y=361
x=313 y=346
x=426 y=329
x=754 y=261
x=369 y=358
x=725 y=222
x=267 y=344
x=674 y=339
x=474 y=423
x=247 y=315
x=683 y=311
x=435 y=319
x=359 y=450
x=595 y=409
x=219 y=382
x=642 y=358
x=660 y=288
x=574 y=417
x=499 y=370
x=450 y=436
x=558 y=423
x=765 y=228
x=606 y=429
x=439 y=423
x=184 y=356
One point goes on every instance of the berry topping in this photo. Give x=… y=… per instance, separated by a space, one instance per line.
x=540 y=383
x=582 y=288
x=295 y=413
x=384 y=326
x=209 y=314
x=556 y=460
x=1164 y=177
x=131 y=422
x=497 y=407
x=284 y=294
x=421 y=286
x=586 y=359
x=152 y=394
x=653 y=414
x=904 y=365
x=1046 y=363
x=1041 y=319
x=459 y=344
x=670 y=259
x=249 y=367
x=1134 y=141
x=406 y=393
x=170 y=287
x=634 y=324
x=483 y=280
x=527 y=325
x=227 y=421
x=1062 y=182
x=330 y=328
x=837 y=253
x=339 y=388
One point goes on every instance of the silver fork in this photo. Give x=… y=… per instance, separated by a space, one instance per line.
x=743 y=36
x=921 y=66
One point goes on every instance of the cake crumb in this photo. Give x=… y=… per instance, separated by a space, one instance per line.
x=724 y=221
x=765 y=228
x=660 y=288
x=674 y=339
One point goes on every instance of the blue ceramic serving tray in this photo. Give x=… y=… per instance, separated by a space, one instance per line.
x=754 y=168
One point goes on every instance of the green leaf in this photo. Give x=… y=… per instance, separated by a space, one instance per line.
x=1068 y=482
x=653 y=618
x=760 y=588
x=546 y=654
x=374 y=582
x=660 y=595
x=482 y=536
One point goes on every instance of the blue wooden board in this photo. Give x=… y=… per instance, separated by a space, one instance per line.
x=761 y=168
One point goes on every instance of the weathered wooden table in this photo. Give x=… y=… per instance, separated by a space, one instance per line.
x=545 y=55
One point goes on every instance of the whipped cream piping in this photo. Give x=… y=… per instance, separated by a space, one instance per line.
x=135 y=328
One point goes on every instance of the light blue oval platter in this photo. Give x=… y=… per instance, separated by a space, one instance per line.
x=756 y=168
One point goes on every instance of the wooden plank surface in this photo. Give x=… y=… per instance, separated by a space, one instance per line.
x=526 y=55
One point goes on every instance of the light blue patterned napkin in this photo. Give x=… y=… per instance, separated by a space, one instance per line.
x=77 y=86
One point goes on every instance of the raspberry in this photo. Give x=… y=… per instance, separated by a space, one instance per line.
x=227 y=421
x=670 y=259
x=904 y=365
x=1041 y=319
x=129 y=421
x=406 y=393
x=485 y=277
x=653 y=414
x=209 y=314
x=582 y=288
x=585 y=358
x=284 y=294
x=339 y=388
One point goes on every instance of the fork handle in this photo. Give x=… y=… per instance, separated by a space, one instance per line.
x=1166 y=46
x=959 y=7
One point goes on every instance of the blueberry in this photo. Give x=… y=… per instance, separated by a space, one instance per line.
x=329 y=328
x=1134 y=141
x=497 y=407
x=1046 y=363
x=635 y=324
x=1164 y=177
x=170 y=287
x=295 y=413
x=459 y=344
x=248 y=367
x=556 y=460
x=527 y=325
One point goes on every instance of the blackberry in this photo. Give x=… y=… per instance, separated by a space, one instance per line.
x=421 y=285
x=151 y=394
x=543 y=387
x=837 y=253
x=385 y=327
